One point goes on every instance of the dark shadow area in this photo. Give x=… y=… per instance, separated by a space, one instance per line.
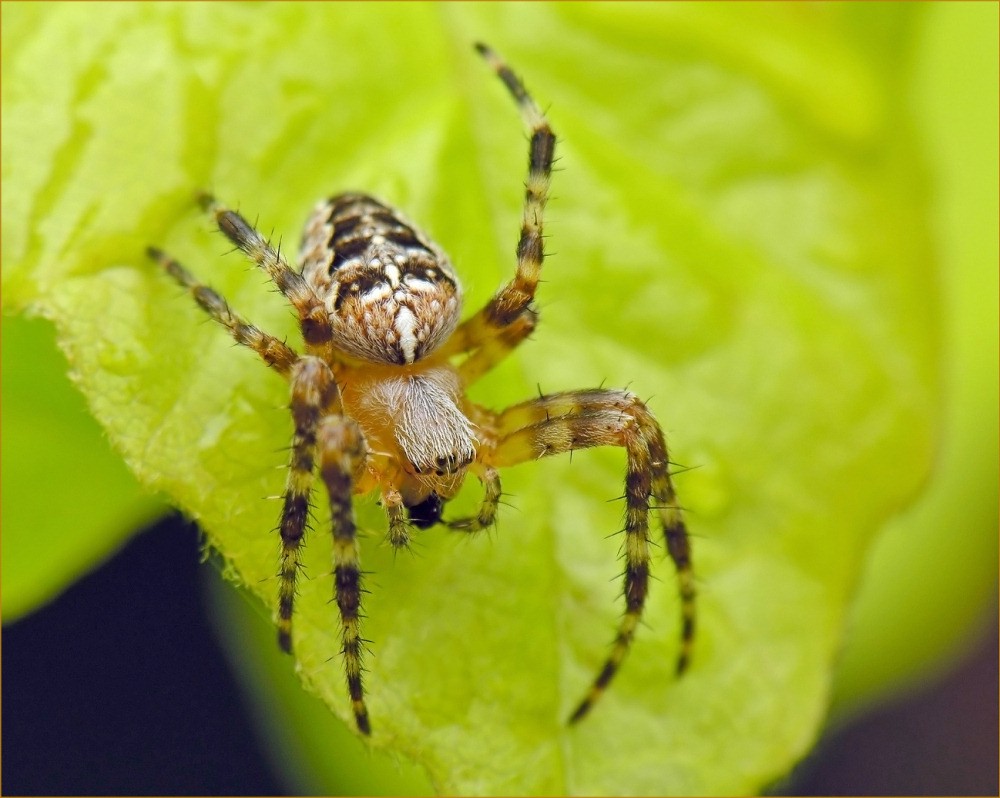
x=942 y=740
x=119 y=687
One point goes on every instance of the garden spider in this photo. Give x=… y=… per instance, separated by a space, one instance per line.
x=378 y=403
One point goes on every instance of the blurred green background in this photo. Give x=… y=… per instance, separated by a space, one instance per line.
x=929 y=587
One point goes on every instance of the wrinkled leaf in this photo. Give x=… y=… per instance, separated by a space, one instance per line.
x=738 y=230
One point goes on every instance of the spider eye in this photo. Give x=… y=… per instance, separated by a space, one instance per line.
x=426 y=513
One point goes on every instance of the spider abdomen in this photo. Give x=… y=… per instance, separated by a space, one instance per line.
x=391 y=292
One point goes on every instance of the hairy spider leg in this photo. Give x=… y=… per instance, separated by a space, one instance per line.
x=324 y=433
x=317 y=333
x=273 y=352
x=314 y=399
x=399 y=530
x=562 y=422
x=508 y=318
x=314 y=321
x=487 y=515
x=341 y=455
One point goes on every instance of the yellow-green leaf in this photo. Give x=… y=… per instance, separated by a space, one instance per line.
x=740 y=232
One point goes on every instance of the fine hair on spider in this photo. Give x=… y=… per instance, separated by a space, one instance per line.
x=379 y=403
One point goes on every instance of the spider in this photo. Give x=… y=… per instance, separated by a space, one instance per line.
x=379 y=402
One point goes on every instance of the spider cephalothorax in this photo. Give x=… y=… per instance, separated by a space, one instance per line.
x=379 y=401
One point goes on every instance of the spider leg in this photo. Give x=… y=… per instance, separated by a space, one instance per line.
x=314 y=319
x=399 y=529
x=487 y=514
x=488 y=343
x=313 y=394
x=275 y=353
x=514 y=297
x=323 y=433
x=508 y=317
x=342 y=452
x=563 y=422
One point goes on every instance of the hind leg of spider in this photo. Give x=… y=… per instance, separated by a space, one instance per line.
x=314 y=321
x=563 y=422
x=341 y=449
x=273 y=352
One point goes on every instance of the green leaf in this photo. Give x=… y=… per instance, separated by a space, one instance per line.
x=739 y=233
x=899 y=632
